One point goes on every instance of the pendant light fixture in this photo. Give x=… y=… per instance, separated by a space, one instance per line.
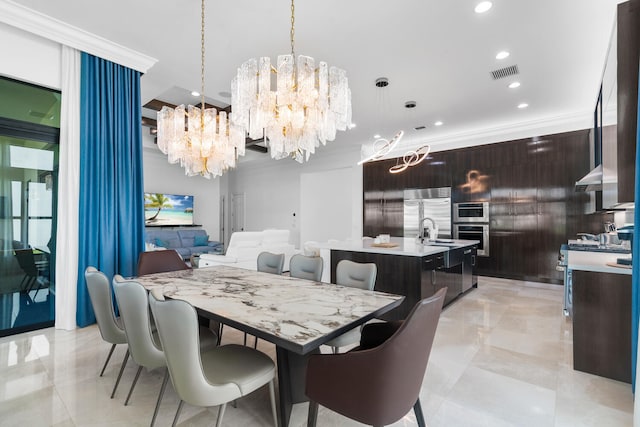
x=210 y=144
x=309 y=104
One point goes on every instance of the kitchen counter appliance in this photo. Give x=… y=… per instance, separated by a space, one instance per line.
x=471 y=222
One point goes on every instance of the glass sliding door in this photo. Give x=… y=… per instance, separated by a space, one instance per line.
x=29 y=134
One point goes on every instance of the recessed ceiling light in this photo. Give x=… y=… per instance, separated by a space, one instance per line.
x=523 y=105
x=376 y=136
x=352 y=125
x=483 y=6
x=438 y=123
x=195 y=93
x=503 y=54
x=421 y=127
x=514 y=85
x=410 y=104
x=225 y=94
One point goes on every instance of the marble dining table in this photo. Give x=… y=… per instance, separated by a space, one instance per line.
x=296 y=315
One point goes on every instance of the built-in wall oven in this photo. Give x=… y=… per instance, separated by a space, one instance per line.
x=471 y=212
x=473 y=231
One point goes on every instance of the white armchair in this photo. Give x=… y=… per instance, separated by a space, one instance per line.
x=245 y=246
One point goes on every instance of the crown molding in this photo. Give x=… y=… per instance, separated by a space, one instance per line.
x=489 y=135
x=53 y=29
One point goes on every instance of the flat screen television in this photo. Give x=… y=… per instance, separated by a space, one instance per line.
x=167 y=209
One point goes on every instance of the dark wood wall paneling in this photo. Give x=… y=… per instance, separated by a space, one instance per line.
x=530 y=185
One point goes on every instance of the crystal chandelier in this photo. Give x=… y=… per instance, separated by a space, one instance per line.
x=210 y=144
x=308 y=106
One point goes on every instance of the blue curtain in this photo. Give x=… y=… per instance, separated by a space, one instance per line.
x=635 y=287
x=111 y=215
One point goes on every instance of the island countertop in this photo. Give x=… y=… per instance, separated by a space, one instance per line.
x=406 y=246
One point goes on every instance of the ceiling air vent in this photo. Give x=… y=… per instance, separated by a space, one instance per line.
x=505 y=72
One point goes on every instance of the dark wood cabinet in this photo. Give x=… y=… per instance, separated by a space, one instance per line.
x=602 y=324
x=628 y=45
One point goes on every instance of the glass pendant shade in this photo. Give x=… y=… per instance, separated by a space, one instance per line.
x=208 y=146
x=306 y=108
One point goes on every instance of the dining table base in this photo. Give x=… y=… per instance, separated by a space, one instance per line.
x=292 y=372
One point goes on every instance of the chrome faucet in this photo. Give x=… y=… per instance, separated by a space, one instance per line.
x=422 y=236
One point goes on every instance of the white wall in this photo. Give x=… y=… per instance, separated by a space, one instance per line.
x=162 y=177
x=272 y=191
x=328 y=206
x=29 y=58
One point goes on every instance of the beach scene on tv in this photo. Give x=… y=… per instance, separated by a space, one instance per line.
x=167 y=209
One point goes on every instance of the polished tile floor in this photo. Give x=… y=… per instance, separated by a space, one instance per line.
x=502 y=357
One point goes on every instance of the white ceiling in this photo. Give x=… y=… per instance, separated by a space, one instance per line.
x=437 y=53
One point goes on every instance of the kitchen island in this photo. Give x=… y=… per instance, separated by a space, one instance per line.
x=409 y=268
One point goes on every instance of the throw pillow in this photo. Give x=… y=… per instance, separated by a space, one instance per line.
x=161 y=243
x=201 y=240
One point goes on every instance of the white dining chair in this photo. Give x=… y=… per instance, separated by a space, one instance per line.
x=306 y=267
x=355 y=275
x=109 y=325
x=143 y=340
x=214 y=377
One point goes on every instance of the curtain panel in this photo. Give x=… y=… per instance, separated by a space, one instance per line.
x=635 y=280
x=111 y=197
x=66 y=264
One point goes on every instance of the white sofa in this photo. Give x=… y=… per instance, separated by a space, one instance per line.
x=245 y=246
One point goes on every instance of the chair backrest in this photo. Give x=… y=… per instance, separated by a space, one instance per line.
x=177 y=325
x=27 y=261
x=134 y=312
x=270 y=263
x=356 y=275
x=386 y=379
x=160 y=262
x=306 y=267
x=102 y=303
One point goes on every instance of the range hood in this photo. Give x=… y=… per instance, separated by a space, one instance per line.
x=591 y=181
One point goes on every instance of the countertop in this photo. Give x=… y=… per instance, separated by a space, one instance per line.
x=596 y=261
x=407 y=246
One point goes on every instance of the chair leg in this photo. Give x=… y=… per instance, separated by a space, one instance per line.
x=124 y=363
x=313 y=414
x=165 y=380
x=419 y=416
x=272 y=396
x=220 y=414
x=175 y=419
x=113 y=347
x=220 y=333
x=133 y=385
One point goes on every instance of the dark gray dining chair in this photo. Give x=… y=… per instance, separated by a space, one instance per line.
x=144 y=344
x=354 y=275
x=306 y=267
x=109 y=325
x=210 y=378
x=377 y=386
x=160 y=262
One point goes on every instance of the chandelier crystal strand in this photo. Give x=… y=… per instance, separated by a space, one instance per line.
x=307 y=107
x=210 y=144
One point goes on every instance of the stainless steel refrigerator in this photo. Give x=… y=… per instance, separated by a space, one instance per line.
x=434 y=203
